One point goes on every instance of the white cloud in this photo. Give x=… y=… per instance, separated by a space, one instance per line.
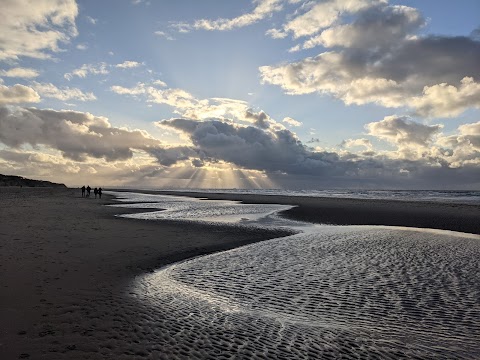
x=174 y=97
x=376 y=27
x=263 y=9
x=18 y=72
x=186 y=104
x=35 y=28
x=160 y=83
x=82 y=46
x=91 y=20
x=128 y=64
x=17 y=94
x=352 y=143
x=324 y=14
x=447 y=100
x=51 y=91
x=276 y=34
x=402 y=130
x=463 y=148
x=85 y=69
x=164 y=35
x=139 y=89
x=292 y=122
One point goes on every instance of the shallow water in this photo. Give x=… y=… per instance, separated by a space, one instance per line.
x=191 y=209
x=327 y=292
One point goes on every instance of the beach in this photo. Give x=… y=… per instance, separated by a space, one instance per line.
x=66 y=263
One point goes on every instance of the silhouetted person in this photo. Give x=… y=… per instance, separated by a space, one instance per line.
x=88 y=190
x=83 y=191
x=99 y=193
x=95 y=192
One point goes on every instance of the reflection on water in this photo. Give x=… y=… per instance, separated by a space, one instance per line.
x=191 y=209
x=328 y=292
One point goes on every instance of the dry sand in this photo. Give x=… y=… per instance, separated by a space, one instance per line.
x=65 y=263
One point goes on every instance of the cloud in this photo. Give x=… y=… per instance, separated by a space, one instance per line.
x=96 y=172
x=185 y=103
x=128 y=64
x=91 y=20
x=85 y=69
x=82 y=137
x=323 y=15
x=376 y=27
x=447 y=100
x=159 y=83
x=198 y=109
x=259 y=119
x=82 y=47
x=18 y=72
x=17 y=94
x=263 y=9
x=286 y=160
x=402 y=130
x=164 y=35
x=174 y=97
x=276 y=34
x=462 y=149
x=252 y=147
x=352 y=143
x=409 y=75
x=51 y=91
x=292 y=122
x=76 y=135
x=378 y=57
x=34 y=29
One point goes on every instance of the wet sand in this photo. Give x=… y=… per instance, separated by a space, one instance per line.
x=65 y=263
x=340 y=211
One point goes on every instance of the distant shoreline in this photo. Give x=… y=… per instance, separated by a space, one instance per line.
x=344 y=211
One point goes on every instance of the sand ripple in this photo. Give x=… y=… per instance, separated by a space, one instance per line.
x=331 y=292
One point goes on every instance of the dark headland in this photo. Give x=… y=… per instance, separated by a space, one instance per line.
x=12 y=180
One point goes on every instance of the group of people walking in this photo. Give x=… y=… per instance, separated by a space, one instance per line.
x=88 y=189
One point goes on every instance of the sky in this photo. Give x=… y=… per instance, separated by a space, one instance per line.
x=358 y=94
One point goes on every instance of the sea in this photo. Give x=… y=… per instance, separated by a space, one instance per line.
x=443 y=196
x=324 y=292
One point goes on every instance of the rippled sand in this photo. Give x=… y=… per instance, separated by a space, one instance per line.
x=328 y=292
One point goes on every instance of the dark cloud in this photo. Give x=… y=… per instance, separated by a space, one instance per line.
x=275 y=151
x=282 y=156
x=260 y=119
x=435 y=59
x=254 y=148
x=168 y=156
x=197 y=163
x=76 y=134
